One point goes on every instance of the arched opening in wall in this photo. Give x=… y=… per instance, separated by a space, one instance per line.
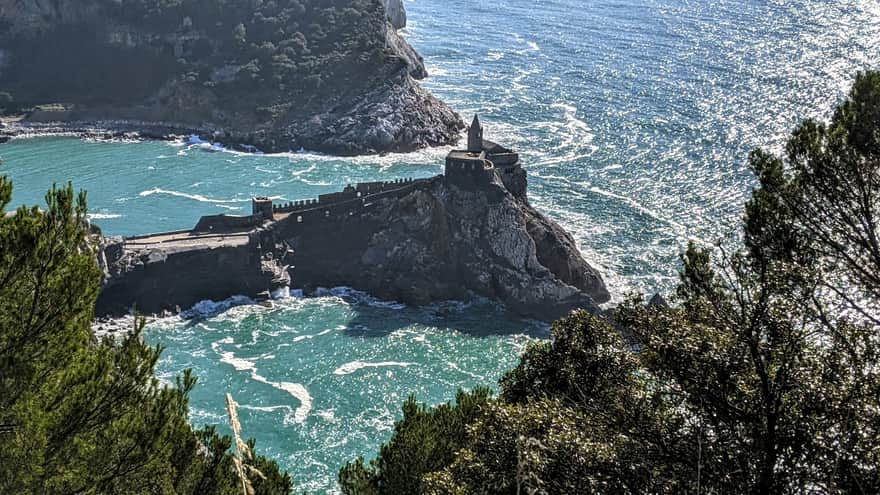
x=299 y=219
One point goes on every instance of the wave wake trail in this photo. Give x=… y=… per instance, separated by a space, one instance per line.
x=354 y=366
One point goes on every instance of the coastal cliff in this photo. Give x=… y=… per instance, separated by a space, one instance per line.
x=468 y=232
x=326 y=75
x=396 y=13
x=440 y=241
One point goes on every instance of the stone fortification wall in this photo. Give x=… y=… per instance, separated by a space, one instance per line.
x=147 y=236
x=152 y=280
x=470 y=174
x=227 y=223
x=505 y=160
x=327 y=215
x=361 y=191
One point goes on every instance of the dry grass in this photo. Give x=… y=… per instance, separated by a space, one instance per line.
x=243 y=453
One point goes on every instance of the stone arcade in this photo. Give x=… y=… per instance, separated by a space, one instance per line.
x=468 y=232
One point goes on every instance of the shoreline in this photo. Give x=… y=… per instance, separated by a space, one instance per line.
x=15 y=128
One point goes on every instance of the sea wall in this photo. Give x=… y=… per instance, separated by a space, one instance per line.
x=154 y=279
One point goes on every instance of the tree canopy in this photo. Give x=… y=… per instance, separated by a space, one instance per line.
x=122 y=52
x=761 y=377
x=81 y=415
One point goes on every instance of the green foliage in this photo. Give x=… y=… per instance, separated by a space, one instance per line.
x=282 y=50
x=825 y=193
x=425 y=440
x=762 y=378
x=88 y=416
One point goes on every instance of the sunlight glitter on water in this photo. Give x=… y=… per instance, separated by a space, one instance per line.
x=634 y=120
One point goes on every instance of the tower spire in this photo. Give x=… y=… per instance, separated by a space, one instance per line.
x=475 y=136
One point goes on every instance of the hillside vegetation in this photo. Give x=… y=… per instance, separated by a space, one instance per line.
x=277 y=73
x=763 y=376
x=126 y=49
x=81 y=415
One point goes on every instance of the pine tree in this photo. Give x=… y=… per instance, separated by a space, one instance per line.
x=763 y=376
x=82 y=415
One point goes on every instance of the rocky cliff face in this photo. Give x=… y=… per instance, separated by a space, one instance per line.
x=469 y=232
x=156 y=278
x=396 y=13
x=327 y=75
x=442 y=242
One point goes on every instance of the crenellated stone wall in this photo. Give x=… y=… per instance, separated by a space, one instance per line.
x=362 y=191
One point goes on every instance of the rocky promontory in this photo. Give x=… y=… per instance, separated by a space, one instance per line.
x=468 y=232
x=325 y=75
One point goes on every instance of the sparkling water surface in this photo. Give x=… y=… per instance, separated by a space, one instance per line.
x=634 y=119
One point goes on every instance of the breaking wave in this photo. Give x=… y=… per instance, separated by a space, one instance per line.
x=354 y=366
x=195 y=197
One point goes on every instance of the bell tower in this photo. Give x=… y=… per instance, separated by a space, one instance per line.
x=475 y=136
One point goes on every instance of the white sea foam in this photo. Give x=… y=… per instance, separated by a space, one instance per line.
x=350 y=295
x=328 y=415
x=297 y=391
x=264 y=408
x=298 y=173
x=208 y=308
x=196 y=197
x=282 y=293
x=465 y=372
x=239 y=364
x=354 y=366
x=103 y=216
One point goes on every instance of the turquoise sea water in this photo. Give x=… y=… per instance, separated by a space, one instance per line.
x=634 y=118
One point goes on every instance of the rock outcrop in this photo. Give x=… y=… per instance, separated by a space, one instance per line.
x=396 y=13
x=441 y=241
x=468 y=232
x=326 y=75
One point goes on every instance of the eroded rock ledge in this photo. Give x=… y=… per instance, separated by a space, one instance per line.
x=469 y=231
x=325 y=75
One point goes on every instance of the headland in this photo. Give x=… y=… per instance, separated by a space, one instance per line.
x=470 y=231
x=333 y=76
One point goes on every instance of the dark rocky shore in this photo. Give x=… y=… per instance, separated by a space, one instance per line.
x=468 y=232
x=94 y=69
